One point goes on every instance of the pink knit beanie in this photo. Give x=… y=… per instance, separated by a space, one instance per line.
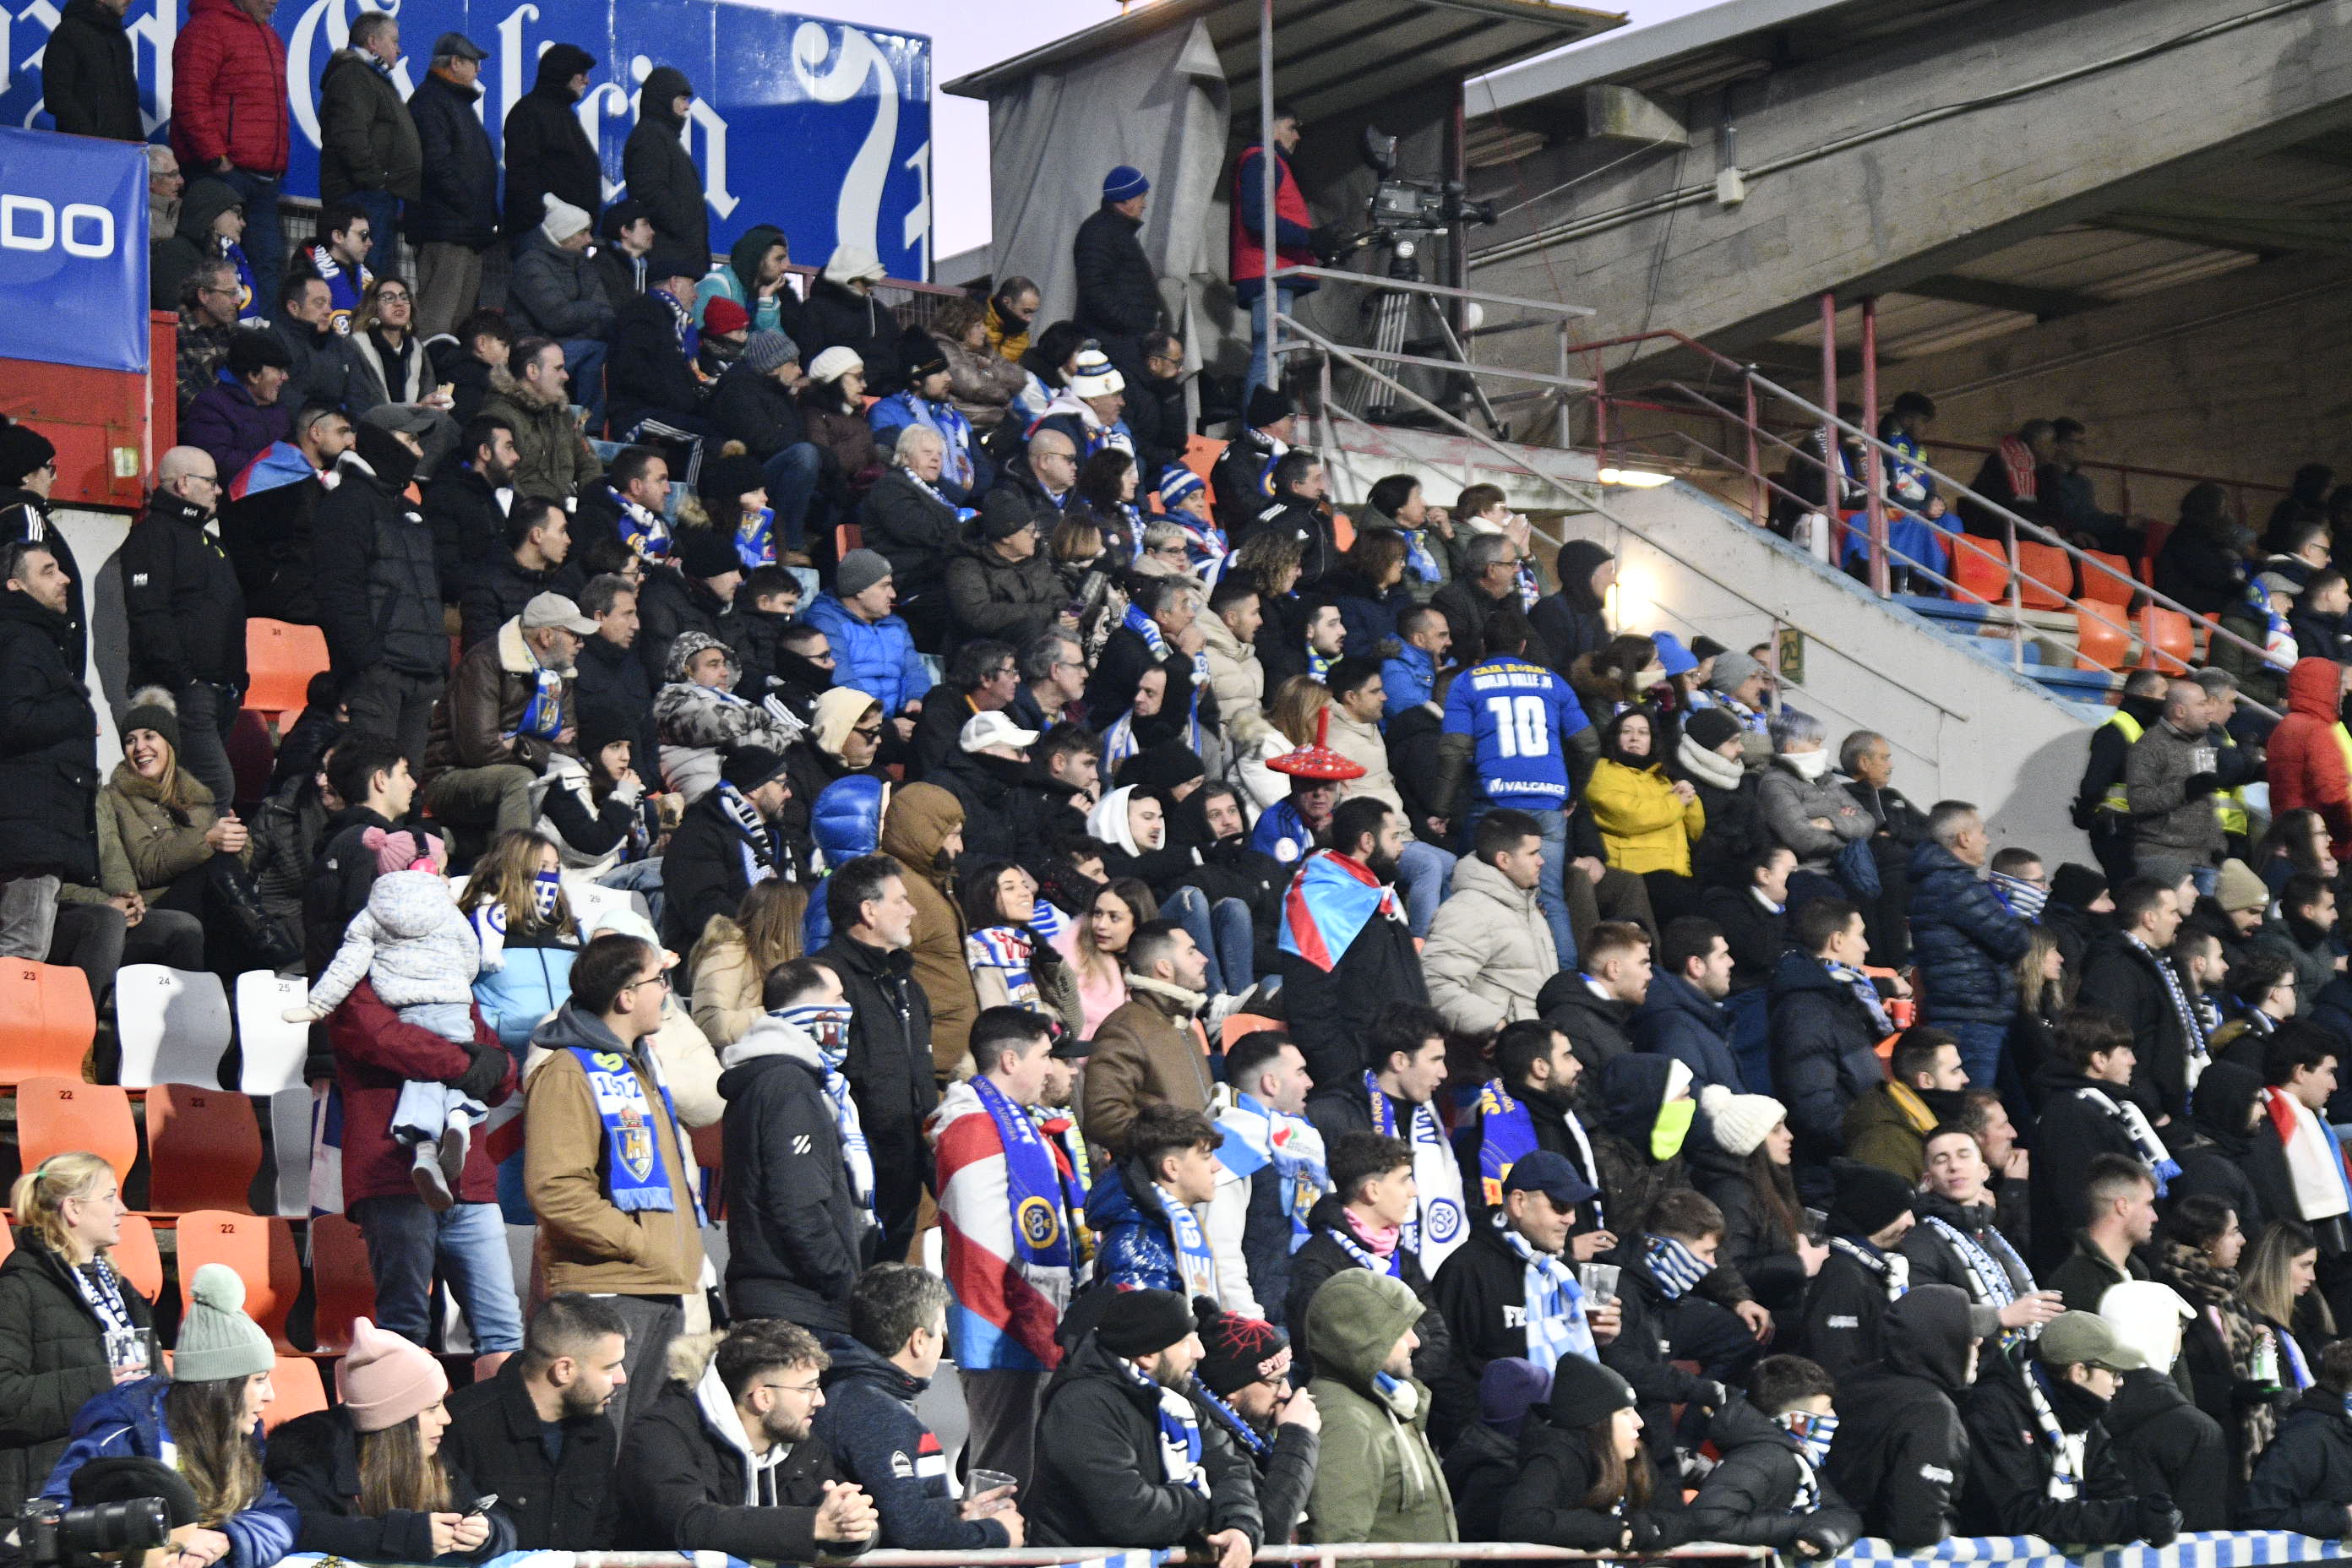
x=385 y=1379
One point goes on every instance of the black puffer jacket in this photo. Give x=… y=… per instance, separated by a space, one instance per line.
x=52 y=1361
x=658 y=171
x=2304 y=1476
x=182 y=599
x=1012 y=601
x=89 y=83
x=314 y=1460
x=379 y=587
x=1546 y=1502
x=2169 y=1446
x=794 y=1237
x=1749 y=1499
x=914 y=529
x=367 y=141
x=458 y=203
x=836 y=316
x=1823 y=1054
x=1099 y=1466
x=757 y=410
x=1119 y=295
x=2011 y=1463
x=1966 y=941
x=545 y=148
x=48 y=746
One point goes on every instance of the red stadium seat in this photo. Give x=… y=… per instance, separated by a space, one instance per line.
x=58 y=1115
x=204 y=1148
x=46 y=1022
x=300 y=1391
x=262 y=1253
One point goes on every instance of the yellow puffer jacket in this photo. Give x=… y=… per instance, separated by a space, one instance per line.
x=1644 y=826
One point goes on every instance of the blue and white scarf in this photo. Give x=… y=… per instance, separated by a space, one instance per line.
x=1180 y=1433
x=1136 y=621
x=1865 y=991
x=1438 y=1224
x=827 y=1025
x=1674 y=1266
x=2134 y=1124
x=546 y=893
x=952 y=428
x=755 y=539
x=2192 y=1027
x=1812 y=1434
x=542 y=712
x=1553 y=1302
x=1032 y=1185
x=1506 y=1134
x=1391 y=1266
x=635 y=1179
x=643 y=531
x=1892 y=1268
x=1006 y=950
x=1995 y=1287
x=1258 y=1137
x=2066 y=1452
x=756 y=841
x=2018 y=897
x=689 y=338
x=1195 y=1262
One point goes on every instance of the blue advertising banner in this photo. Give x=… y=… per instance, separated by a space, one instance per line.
x=73 y=250
x=821 y=128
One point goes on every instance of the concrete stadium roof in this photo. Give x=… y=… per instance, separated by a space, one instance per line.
x=1329 y=56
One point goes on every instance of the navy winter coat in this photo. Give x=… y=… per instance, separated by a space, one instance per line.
x=1824 y=1054
x=1675 y=1019
x=1965 y=943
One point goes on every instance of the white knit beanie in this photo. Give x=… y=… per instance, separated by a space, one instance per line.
x=1741 y=1121
x=834 y=363
x=562 y=220
x=1094 y=375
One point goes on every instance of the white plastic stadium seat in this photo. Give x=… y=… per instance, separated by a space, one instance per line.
x=271 y=1049
x=173 y=1025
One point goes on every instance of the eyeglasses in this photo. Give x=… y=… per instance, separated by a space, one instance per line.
x=661 y=980
x=390 y=297
x=998 y=674
x=866 y=733
x=792 y=1387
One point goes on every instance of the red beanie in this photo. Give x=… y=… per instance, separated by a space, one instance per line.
x=720 y=314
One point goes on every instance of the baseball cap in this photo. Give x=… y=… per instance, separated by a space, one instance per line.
x=1549 y=1173
x=555 y=610
x=2086 y=1337
x=984 y=730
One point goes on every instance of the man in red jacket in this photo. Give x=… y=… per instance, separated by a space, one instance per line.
x=229 y=117
x=2310 y=755
x=376 y=1054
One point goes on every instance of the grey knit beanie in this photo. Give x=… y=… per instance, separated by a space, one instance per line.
x=218 y=1341
x=1732 y=670
x=859 y=570
x=767 y=352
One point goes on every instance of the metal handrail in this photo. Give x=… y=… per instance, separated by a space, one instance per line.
x=1584 y=500
x=1325 y=1554
x=1474 y=296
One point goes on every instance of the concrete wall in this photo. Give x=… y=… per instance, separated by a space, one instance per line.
x=94 y=537
x=1900 y=205
x=2241 y=376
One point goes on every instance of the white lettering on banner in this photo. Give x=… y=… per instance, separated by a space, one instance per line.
x=919 y=216
x=857 y=216
x=306 y=60
x=64 y=229
x=698 y=113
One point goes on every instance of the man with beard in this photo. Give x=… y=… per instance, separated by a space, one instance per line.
x=1530 y=1104
x=557 y=1490
x=1957 y=1242
x=537 y=543
x=1349 y=953
x=725 y=842
x=1122 y=1453
x=465 y=504
x=730 y=1462
x=509 y=708
x=1889 y=1126
x=1051 y=804
x=1242 y=1383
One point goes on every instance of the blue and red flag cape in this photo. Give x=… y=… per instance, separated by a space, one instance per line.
x=1331 y=901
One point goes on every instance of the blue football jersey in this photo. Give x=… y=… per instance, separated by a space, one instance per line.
x=1519 y=715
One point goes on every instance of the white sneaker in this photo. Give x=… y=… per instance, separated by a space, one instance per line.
x=431 y=1184
x=456 y=1140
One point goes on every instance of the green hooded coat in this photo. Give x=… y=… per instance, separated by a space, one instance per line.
x=1377 y=1479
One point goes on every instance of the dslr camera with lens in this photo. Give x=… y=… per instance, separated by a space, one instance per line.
x=48 y=1532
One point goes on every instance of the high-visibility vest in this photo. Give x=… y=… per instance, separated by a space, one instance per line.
x=2229 y=804
x=2118 y=798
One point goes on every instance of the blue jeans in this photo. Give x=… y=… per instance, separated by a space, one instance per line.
x=791 y=486
x=264 y=243
x=1262 y=336
x=406 y=1241
x=384 y=228
x=1980 y=1049
x=639 y=876
x=1426 y=874
x=583 y=360
x=1223 y=931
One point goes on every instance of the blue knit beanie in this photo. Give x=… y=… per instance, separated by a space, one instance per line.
x=1124 y=184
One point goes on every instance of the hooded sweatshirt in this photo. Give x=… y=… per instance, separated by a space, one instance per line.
x=916 y=823
x=778 y=313
x=2309 y=756
x=1377 y=1479
x=1901 y=1452
x=658 y=171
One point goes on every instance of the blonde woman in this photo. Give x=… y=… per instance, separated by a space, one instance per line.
x=731 y=961
x=70 y=1328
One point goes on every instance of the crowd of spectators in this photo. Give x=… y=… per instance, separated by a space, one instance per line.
x=1625 y=1141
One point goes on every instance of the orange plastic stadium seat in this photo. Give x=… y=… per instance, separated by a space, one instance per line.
x=2103 y=638
x=204 y=1148
x=46 y=1021
x=2045 y=573
x=847 y=537
x=2169 y=641
x=300 y=1391
x=2097 y=584
x=1236 y=1025
x=262 y=1253
x=1201 y=455
x=7 y=1242
x=343 y=1285
x=58 y=1115
x=280 y=658
x=136 y=1256
x=1981 y=570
